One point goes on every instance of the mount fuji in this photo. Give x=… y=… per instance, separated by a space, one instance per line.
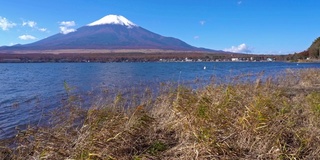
x=109 y=32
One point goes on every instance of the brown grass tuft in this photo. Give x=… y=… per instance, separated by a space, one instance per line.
x=273 y=118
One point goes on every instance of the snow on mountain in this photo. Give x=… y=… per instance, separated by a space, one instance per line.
x=110 y=32
x=113 y=19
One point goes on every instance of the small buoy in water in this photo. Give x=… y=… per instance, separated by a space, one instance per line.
x=204 y=67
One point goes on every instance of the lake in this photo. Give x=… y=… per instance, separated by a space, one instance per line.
x=29 y=89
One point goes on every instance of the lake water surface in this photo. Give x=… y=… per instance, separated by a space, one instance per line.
x=24 y=88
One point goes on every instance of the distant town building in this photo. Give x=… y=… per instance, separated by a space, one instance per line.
x=234 y=59
x=188 y=60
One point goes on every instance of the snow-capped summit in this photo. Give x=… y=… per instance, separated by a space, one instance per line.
x=110 y=32
x=113 y=19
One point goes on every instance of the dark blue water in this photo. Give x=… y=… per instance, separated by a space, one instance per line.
x=27 y=90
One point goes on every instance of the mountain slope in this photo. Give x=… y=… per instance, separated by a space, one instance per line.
x=110 y=32
x=314 y=49
x=110 y=36
x=311 y=54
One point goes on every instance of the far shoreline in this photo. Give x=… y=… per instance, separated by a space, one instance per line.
x=104 y=56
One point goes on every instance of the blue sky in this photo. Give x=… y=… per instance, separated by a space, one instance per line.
x=256 y=26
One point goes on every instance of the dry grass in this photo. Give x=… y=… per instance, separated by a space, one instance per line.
x=276 y=118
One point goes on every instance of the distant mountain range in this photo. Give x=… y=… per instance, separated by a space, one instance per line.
x=110 y=32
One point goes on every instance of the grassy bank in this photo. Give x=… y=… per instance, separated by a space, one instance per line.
x=276 y=118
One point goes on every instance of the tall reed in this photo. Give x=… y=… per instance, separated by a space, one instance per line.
x=269 y=118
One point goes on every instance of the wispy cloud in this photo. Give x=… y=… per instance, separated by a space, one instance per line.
x=66 y=30
x=12 y=44
x=202 y=22
x=196 y=37
x=68 y=23
x=242 y=48
x=42 y=29
x=5 y=24
x=239 y=2
x=66 y=27
x=31 y=24
x=27 y=37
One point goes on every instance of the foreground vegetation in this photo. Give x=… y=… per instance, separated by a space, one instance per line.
x=270 y=118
